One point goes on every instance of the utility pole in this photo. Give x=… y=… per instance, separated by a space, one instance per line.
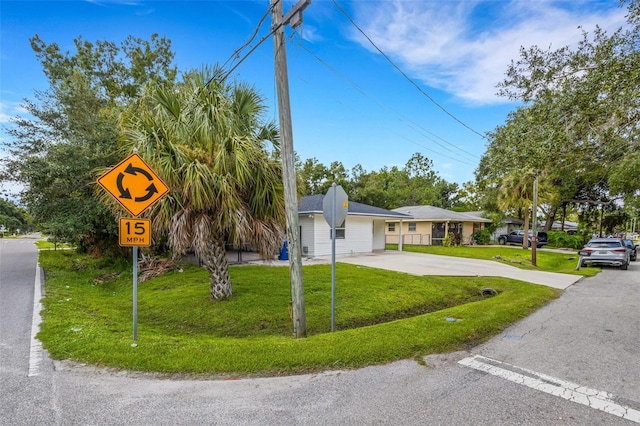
x=278 y=21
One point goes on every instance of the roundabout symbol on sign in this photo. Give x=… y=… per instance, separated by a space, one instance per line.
x=133 y=171
x=133 y=184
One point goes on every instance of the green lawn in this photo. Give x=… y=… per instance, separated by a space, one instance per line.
x=515 y=256
x=48 y=245
x=381 y=316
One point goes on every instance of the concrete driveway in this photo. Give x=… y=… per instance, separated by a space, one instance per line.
x=430 y=264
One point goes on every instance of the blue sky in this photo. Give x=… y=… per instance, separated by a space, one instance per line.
x=349 y=104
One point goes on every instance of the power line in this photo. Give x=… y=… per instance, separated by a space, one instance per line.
x=264 y=38
x=403 y=73
x=429 y=149
x=248 y=42
x=236 y=53
x=232 y=69
x=417 y=128
x=239 y=49
x=253 y=36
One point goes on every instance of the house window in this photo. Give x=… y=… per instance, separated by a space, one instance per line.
x=340 y=233
x=392 y=227
x=412 y=227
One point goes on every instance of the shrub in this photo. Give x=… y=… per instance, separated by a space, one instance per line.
x=562 y=239
x=482 y=237
x=451 y=240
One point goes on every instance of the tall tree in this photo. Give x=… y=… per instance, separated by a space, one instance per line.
x=208 y=140
x=12 y=217
x=316 y=178
x=73 y=130
x=467 y=198
x=584 y=103
x=527 y=144
x=390 y=187
x=338 y=174
x=516 y=193
x=419 y=184
x=313 y=177
x=373 y=188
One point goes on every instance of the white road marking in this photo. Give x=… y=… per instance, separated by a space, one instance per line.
x=35 y=351
x=600 y=400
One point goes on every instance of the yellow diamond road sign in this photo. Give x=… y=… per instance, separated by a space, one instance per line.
x=133 y=184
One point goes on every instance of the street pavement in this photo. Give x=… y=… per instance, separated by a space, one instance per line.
x=585 y=342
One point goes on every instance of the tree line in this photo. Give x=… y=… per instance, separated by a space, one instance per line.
x=577 y=131
x=13 y=219
x=416 y=183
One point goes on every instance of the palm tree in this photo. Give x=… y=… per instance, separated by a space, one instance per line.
x=207 y=141
x=516 y=192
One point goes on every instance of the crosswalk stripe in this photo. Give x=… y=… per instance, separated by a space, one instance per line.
x=599 y=400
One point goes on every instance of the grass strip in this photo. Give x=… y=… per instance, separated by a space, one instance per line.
x=547 y=261
x=381 y=316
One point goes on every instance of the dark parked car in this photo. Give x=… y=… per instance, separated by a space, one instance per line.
x=516 y=237
x=633 y=247
x=605 y=251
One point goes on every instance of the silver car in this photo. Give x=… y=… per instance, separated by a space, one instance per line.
x=605 y=251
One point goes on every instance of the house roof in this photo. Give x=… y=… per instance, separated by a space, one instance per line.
x=567 y=225
x=312 y=204
x=479 y=213
x=513 y=221
x=436 y=213
x=507 y=220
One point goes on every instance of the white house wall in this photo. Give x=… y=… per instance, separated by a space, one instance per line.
x=307 y=236
x=358 y=237
x=379 y=238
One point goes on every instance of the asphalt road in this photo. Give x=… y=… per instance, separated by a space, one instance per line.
x=585 y=342
x=23 y=399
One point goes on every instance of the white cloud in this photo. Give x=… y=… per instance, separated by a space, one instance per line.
x=7 y=111
x=464 y=47
x=310 y=33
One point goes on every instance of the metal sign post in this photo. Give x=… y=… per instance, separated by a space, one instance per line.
x=333 y=261
x=135 y=233
x=135 y=293
x=335 y=208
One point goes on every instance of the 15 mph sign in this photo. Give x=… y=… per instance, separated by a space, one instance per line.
x=133 y=184
x=135 y=232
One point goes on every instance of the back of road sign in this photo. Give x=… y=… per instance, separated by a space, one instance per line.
x=335 y=202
